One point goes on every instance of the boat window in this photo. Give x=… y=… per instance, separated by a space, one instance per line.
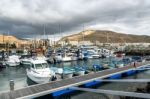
x=45 y=65
x=38 y=66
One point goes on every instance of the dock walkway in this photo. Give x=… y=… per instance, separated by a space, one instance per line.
x=44 y=89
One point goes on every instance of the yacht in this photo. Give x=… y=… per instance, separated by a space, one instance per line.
x=90 y=51
x=13 y=60
x=69 y=57
x=25 y=59
x=40 y=72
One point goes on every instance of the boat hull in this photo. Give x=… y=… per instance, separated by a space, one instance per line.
x=12 y=64
x=37 y=78
x=69 y=75
x=79 y=73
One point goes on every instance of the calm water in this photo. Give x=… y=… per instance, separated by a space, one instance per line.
x=123 y=86
x=18 y=74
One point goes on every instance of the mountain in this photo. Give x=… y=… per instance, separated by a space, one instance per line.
x=105 y=36
x=10 y=39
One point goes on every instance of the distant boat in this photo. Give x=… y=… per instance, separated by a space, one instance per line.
x=66 y=57
x=65 y=72
x=40 y=72
x=26 y=59
x=13 y=60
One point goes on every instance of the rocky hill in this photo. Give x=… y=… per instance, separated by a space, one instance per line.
x=8 y=38
x=104 y=36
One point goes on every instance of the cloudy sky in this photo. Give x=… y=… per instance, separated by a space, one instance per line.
x=26 y=18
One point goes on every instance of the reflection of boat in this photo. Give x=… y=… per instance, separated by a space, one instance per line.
x=13 y=60
x=40 y=72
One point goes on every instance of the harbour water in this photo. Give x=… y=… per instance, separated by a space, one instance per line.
x=118 y=86
x=18 y=74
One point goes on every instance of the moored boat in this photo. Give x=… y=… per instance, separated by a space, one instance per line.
x=40 y=72
x=13 y=60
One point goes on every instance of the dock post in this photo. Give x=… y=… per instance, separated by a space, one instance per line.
x=11 y=84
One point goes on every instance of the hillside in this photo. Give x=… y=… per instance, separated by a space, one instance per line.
x=104 y=36
x=8 y=38
x=11 y=39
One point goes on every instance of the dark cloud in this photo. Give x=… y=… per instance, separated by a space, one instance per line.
x=26 y=18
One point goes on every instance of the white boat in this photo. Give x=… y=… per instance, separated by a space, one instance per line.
x=41 y=58
x=119 y=65
x=26 y=61
x=58 y=57
x=40 y=72
x=67 y=73
x=69 y=57
x=79 y=71
x=13 y=60
x=63 y=72
x=66 y=58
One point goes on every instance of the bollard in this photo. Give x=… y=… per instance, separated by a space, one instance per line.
x=11 y=84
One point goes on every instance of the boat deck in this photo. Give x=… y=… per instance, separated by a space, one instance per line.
x=44 y=89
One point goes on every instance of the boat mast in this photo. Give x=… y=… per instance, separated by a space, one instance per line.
x=83 y=35
x=8 y=42
x=44 y=36
x=62 y=44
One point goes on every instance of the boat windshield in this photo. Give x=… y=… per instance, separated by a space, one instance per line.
x=38 y=66
x=41 y=66
x=45 y=65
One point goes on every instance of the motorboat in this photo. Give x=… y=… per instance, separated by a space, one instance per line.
x=66 y=58
x=13 y=60
x=26 y=59
x=40 y=72
x=69 y=57
x=79 y=71
x=67 y=72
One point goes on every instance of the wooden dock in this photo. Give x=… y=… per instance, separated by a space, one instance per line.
x=44 y=89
